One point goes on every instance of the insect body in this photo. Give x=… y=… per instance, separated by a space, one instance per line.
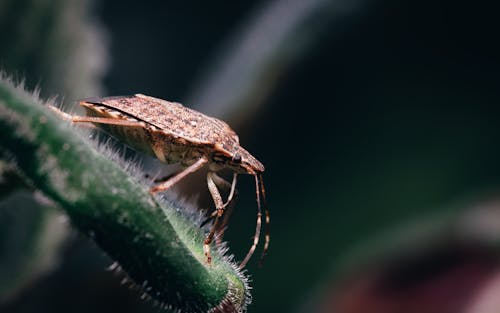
x=176 y=134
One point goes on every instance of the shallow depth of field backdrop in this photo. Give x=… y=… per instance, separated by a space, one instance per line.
x=378 y=123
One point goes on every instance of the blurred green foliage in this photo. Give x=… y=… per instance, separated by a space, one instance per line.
x=30 y=237
x=57 y=45
x=59 y=48
x=390 y=116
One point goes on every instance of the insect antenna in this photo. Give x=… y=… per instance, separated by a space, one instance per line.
x=268 y=221
x=257 y=226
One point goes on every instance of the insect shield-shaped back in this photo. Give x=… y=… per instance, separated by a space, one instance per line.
x=174 y=133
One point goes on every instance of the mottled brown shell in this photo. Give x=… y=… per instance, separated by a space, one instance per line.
x=183 y=127
x=174 y=118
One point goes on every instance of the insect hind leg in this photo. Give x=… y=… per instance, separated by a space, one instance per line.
x=96 y=120
x=63 y=115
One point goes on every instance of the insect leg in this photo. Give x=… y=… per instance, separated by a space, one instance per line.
x=257 y=226
x=61 y=114
x=229 y=205
x=98 y=120
x=173 y=180
x=161 y=179
x=222 y=182
x=106 y=120
x=219 y=206
x=219 y=181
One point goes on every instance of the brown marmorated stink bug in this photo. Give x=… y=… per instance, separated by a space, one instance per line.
x=176 y=134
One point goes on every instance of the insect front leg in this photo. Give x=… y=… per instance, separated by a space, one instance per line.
x=219 y=206
x=221 y=182
x=228 y=205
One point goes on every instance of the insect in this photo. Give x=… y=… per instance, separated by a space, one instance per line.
x=176 y=134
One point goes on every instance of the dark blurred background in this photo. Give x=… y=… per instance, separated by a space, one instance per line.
x=368 y=115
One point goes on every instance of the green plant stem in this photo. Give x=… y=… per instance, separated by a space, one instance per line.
x=152 y=240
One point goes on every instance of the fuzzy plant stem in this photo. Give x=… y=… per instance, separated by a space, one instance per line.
x=151 y=239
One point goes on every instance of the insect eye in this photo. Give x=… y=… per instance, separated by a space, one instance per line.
x=237 y=158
